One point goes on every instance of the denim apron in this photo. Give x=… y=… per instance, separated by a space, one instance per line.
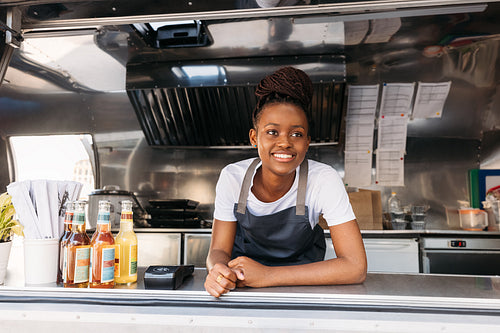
x=280 y=239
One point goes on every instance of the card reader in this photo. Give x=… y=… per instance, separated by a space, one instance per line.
x=166 y=277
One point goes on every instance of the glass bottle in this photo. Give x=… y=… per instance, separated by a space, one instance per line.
x=395 y=209
x=126 y=247
x=63 y=241
x=102 y=253
x=78 y=251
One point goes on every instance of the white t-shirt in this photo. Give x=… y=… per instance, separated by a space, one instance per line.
x=325 y=194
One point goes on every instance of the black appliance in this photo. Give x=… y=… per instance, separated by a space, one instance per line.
x=174 y=213
x=461 y=255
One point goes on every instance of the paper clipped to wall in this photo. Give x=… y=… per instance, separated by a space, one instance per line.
x=358 y=168
x=360 y=117
x=430 y=99
x=360 y=125
x=392 y=133
x=389 y=167
x=396 y=99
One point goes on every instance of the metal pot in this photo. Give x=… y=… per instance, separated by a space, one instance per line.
x=115 y=196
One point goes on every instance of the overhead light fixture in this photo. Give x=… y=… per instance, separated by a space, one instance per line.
x=196 y=75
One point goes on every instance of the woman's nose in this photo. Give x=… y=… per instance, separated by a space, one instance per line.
x=283 y=141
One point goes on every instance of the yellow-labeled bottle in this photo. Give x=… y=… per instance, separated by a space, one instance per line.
x=77 y=254
x=126 y=247
x=102 y=254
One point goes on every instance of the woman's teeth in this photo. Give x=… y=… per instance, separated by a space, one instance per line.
x=282 y=156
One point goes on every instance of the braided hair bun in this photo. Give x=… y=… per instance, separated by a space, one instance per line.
x=286 y=85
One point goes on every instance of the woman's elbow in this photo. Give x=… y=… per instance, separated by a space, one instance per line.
x=359 y=272
x=360 y=277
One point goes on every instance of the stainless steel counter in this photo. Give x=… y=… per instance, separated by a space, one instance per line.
x=385 y=302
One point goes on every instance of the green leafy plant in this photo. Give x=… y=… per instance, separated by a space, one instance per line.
x=7 y=223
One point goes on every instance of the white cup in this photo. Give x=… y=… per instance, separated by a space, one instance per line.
x=40 y=260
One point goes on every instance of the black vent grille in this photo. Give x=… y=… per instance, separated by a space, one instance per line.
x=221 y=116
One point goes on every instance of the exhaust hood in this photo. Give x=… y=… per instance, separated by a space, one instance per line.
x=209 y=103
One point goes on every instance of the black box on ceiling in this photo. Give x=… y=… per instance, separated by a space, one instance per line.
x=182 y=35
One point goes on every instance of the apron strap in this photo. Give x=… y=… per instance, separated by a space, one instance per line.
x=247 y=181
x=301 y=190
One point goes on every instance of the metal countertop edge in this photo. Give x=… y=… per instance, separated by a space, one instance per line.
x=392 y=233
x=253 y=300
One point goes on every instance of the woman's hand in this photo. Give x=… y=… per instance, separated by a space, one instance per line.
x=220 y=280
x=249 y=272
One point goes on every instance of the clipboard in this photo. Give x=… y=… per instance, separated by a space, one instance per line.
x=487 y=179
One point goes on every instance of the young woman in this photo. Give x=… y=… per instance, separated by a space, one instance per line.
x=265 y=231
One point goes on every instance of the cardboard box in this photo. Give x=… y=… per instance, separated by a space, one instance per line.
x=367 y=206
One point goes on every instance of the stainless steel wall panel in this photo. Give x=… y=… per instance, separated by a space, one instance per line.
x=40 y=114
x=490 y=153
x=196 y=247
x=158 y=249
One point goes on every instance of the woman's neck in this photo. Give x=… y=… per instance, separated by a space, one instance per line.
x=269 y=187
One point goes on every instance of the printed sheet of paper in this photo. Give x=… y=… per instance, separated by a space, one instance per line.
x=360 y=119
x=396 y=99
x=362 y=100
x=392 y=133
x=359 y=135
x=358 y=168
x=360 y=125
x=430 y=99
x=389 y=168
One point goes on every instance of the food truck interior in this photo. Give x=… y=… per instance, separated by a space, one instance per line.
x=157 y=96
x=165 y=91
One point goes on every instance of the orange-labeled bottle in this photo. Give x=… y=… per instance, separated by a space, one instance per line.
x=62 y=271
x=78 y=251
x=102 y=248
x=126 y=247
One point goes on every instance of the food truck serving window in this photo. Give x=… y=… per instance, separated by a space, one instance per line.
x=54 y=157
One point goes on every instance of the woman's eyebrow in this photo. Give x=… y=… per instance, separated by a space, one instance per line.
x=276 y=124
x=271 y=124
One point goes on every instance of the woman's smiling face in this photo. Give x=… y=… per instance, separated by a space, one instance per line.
x=281 y=137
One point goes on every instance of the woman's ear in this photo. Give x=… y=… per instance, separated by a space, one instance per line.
x=253 y=137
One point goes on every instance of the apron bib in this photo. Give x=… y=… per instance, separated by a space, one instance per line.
x=282 y=238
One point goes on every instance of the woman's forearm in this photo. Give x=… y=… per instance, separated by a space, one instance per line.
x=328 y=272
x=216 y=256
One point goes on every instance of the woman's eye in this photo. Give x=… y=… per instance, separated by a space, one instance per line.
x=297 y=134
x=272 y=132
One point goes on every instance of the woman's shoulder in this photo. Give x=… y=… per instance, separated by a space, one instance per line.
x=316 y=168
x=236 y=170
x=239 y=167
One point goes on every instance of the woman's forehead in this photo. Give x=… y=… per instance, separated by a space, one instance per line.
x=283 y=112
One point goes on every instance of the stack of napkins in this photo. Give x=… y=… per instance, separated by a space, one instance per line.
x=40 y=205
